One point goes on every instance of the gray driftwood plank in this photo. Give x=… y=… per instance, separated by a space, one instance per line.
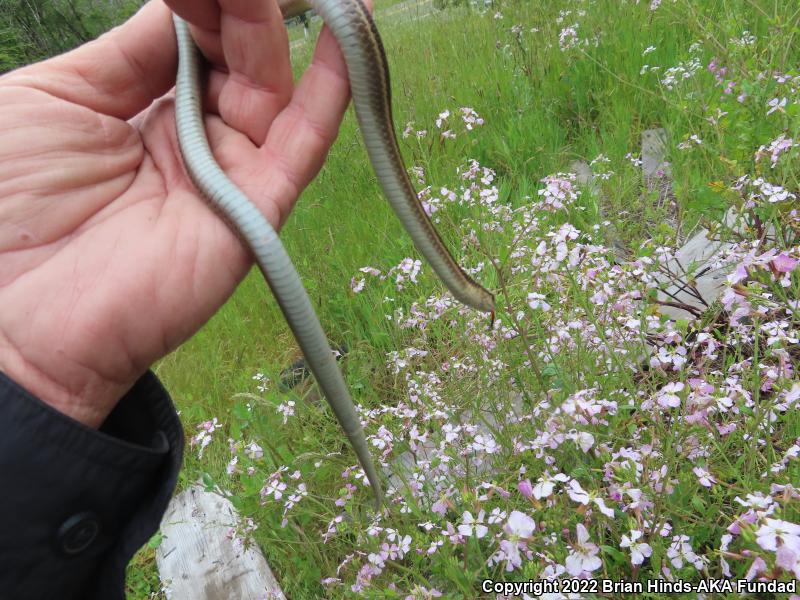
x=584 y=175
x=654 y=151
x=694 y=278
x=197 y=560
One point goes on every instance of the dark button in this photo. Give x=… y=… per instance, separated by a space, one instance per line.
x=78 y=532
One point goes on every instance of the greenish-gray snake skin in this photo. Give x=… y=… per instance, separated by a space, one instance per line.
x=368 y=73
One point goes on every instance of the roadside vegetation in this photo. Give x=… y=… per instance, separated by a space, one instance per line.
x=32 y=30
x=584 y=434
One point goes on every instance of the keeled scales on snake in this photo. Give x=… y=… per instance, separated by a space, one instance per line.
x=368 y=72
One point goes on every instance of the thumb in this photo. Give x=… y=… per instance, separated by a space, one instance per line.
x=120 y=73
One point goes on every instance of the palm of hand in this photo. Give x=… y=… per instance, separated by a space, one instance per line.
x=108 y=257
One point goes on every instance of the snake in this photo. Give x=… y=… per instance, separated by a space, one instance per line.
x=368 y=72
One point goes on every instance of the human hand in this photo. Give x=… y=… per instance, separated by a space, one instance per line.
x=109 y=259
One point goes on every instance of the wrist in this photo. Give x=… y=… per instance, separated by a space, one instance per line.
x=82 y=396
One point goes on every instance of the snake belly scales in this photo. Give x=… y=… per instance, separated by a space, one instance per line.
x=358 y=39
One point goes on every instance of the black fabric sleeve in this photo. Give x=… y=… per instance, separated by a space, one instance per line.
x=76 y=503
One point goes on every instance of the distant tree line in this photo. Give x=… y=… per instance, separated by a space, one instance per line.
x=32 y=30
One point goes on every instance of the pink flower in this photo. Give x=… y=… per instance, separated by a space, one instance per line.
x=254 y=451
x=470 y=117
x=738 y=274
x=525 y=488
x=784 y=263
x=370 y=271
x=286 y=409
x=205 y=436
x=758 y=566
x=452 y=534
x=509 y=551
x=519 y=528
x=705 y=478
x=440 y=506
x=423 y=593
x=668 y=395
x=274 y=488
x=788 y=559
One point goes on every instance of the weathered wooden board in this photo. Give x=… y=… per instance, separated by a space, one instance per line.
x=198 y=561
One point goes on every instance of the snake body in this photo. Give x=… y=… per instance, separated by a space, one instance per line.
x=358 y=39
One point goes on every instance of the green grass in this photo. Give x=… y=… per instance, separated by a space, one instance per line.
x=543 y=108
x=382 y=9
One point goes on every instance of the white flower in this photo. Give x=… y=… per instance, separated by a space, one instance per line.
x=768 y=535
x=254 y=451
x=519 y=525
x=536 y=301
x=583 y=439
x=680 y=550
x=578 y=494
x=583 y=557
x=601 y=505
x=544 y=488
x=470 y=525
x=776 y=104
x=639 y=550
x=286 y=409
x=405 y=545
x=668 y=395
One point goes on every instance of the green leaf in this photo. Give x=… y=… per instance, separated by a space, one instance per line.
x=156 y=540
x=698 y=503
x=251 y=485
x=614 y=553
x=240 y=411
x=706 y=199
